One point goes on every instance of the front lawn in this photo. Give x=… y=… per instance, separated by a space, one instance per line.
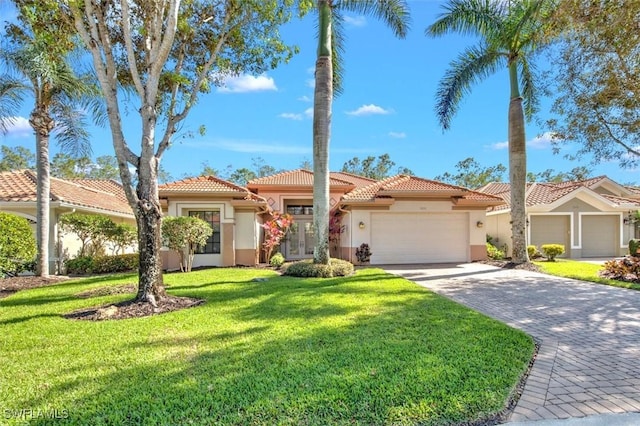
x=581 y=271
x=369 y=349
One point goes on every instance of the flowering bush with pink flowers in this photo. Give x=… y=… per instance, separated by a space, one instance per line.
x=275 y=230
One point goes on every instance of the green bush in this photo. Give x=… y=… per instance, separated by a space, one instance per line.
x=83 y=265
x=17 y=244
x=277 y=260
x=533 y=252
x=306 y=268
x=634 y=245
x=551 y=251
x=494 y=253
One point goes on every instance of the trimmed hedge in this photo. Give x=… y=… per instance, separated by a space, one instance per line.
x=494 y=252
x=306 y=268
x=17 y=245
x=277 y=260
x=551 y=251
x=83 y=265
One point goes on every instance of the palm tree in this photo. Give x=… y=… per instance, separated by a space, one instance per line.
x=510 y=32
x=394 y=13
x=37 y=69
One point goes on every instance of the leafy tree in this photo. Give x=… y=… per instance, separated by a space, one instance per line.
x=17 y=245
x=168 y=53
x=306 y=165
x=509 y=33
x=207 y=170
x=105 y=167
x=471 y=174
x=393 y=13
x=275 y=230
x=36 y=58
x=16 y=158
x=92 y=231
x=596 y=80
x=66 y=166
x=550 y=175
x=121 y=236
x=373 y=168
x=182 y=233
x=242 y=176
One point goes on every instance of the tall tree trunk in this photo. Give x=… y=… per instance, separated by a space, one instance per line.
x=149 y=219
x=42 y=124
x=322 y=99
x=517 y=170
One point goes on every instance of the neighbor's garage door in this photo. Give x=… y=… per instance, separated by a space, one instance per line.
x=600 y=235
x=419 y=237
x=550 y=229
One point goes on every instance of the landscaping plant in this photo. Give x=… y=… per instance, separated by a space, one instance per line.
x=275 y=230
x=185 y=233
x=363 y=253
x=551 y=251
x=17 y=244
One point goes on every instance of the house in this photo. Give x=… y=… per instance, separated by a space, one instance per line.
x=591 y=218
x=105 y=197
x=404 y=219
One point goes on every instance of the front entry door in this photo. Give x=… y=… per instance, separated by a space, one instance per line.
x=300 y=244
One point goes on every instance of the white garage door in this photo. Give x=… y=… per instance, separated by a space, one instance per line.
x=600 y=235
x=419 y=237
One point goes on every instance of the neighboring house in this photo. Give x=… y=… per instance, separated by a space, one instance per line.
x=104 y=197
x=591 y=218
x=404 y=219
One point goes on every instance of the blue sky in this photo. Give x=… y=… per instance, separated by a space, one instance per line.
x=387 y=107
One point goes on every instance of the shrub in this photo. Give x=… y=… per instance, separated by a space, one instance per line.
x=494 y=253
x=552 y=250
x=634 y=246
x=306 y=268
x=17 y=244
x=626 y=269
x=83 y=265
x=533 y=252
x=277 y=260
x=363 y=253
x=181 y=233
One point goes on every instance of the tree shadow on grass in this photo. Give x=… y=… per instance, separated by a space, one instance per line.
x=404 y=364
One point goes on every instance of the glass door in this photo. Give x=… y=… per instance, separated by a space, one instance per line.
x=300 y=244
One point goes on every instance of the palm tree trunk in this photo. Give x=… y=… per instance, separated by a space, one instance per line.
x=42 y=124
x=517 y=170
x=323 y=97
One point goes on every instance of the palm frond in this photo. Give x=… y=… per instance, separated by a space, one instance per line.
x=337 y=53
x=469 y=17
x=527 y=73
x=472 y=66
x=11 y=95
x=394 y=13
x=70 y=131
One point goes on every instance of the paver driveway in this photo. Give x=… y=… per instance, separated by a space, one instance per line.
x=589 y=359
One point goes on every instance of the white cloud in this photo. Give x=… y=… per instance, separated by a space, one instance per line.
x=305 y=98
x=397 y=135
x=291 y=116
x=247 y=83
x=309 y=112
x=539 y=142
x=356 y=21
x=253 y=147
x=18 y=127
x=370 y=109
x=311 y=82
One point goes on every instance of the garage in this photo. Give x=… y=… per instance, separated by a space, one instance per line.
x=600 y=235
x=551 y=229
x=398 y=238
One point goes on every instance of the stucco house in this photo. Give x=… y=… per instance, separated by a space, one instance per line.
x=88 y=196
x=591 y=218
x=404 y=219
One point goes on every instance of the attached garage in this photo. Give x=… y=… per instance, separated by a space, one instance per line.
x=551 y=229
x=600 y=235
x=419 y=237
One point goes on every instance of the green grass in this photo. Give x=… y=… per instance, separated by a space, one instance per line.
x=366 y=349
x=581 y=271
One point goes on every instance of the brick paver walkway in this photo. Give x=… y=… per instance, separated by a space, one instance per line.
x=589 y=359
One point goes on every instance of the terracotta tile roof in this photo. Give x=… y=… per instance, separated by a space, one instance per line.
x=20 y=186
x=207 y=185
x=411 y=185
x=299 y=177
x=547 y=193
x=356 y=180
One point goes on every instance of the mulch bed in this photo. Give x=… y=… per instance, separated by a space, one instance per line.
x=108 y=291
x=507 y=264
x=134 y=309
x=11 y=285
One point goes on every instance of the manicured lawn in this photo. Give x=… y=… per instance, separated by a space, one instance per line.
x=582 y=271
x=369 y=349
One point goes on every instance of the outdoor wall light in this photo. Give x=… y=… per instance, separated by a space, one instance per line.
x=361 y=225
x=479 y=224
